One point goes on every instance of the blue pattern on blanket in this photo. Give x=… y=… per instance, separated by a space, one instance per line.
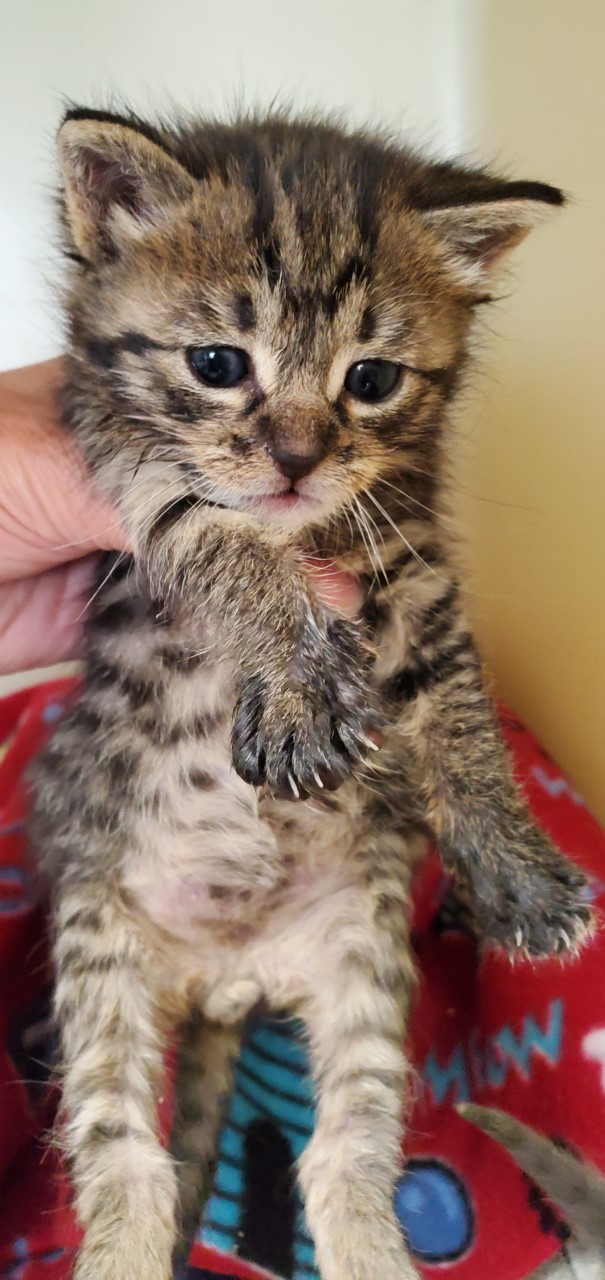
x=272 y=1083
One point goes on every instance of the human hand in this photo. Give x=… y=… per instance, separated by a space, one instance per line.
x=52 y=522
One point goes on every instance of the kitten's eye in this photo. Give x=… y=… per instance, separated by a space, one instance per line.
x=219 y=366
x=372 y=380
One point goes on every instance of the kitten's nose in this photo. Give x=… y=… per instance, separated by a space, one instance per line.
x=295 y=465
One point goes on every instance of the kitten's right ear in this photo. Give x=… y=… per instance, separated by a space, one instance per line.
x=118 y=183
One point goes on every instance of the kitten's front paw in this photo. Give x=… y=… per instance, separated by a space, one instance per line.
x=537 y=902
x=300 y=739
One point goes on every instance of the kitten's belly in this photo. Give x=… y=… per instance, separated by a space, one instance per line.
x=233 y=917
x=211 y=880
x=273 y=956
x=227 y=874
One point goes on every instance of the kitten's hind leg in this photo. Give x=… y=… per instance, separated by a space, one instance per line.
x=112 y=1050
x=203 y=1080
x=356 y=1021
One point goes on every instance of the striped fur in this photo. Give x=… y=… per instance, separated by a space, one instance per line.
x=219 y=688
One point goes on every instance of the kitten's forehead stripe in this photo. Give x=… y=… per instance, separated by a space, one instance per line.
x=367 y=327
x=370 y=180
x=354 y=269
x=257 y=177
x=243 y=308
x=270 y=255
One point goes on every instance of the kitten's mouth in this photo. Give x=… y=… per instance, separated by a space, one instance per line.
x=281 y=501
x=285 y=505
x=277 y=503
x=287 y=500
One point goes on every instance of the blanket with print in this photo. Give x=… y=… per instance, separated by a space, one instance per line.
x=529 y=1038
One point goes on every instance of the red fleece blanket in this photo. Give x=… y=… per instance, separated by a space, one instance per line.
x=529 y=1038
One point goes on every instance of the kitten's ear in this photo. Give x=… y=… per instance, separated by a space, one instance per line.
x=479 y=232
x=118 y=182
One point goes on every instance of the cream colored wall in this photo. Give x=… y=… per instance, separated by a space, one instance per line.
x=533 y=84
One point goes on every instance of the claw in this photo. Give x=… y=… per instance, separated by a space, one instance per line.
x=318 y=780
x=367 y=742
x=565 y=938
x=293 y=786
x=519 y=937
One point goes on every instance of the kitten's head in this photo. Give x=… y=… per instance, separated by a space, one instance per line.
x=279 y=310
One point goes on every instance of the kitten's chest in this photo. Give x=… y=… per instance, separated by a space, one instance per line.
x=211 y=856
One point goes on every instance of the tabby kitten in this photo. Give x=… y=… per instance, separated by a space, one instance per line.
x=267 y=322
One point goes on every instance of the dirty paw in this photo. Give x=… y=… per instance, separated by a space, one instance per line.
x=307 y=736
x=538 y=904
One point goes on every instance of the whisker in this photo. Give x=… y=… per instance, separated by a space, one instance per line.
x=362 y=535
x=364 y=518
x=402 y=492
x=345 y=512
x=99 y=588
x=414 y=469
x=116 y=524
x=367 y=538
x=372 y=523
x=397 y=530
x=183 y=492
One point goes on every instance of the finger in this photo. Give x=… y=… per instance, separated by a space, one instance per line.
x=49 y=510
x=341 y=591
x=41 y=618
x=49 y=513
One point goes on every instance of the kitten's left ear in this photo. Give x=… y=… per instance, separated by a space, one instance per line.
x=119 y=181
x=479 y=232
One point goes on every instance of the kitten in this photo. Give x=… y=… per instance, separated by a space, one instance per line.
x=267 y=323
